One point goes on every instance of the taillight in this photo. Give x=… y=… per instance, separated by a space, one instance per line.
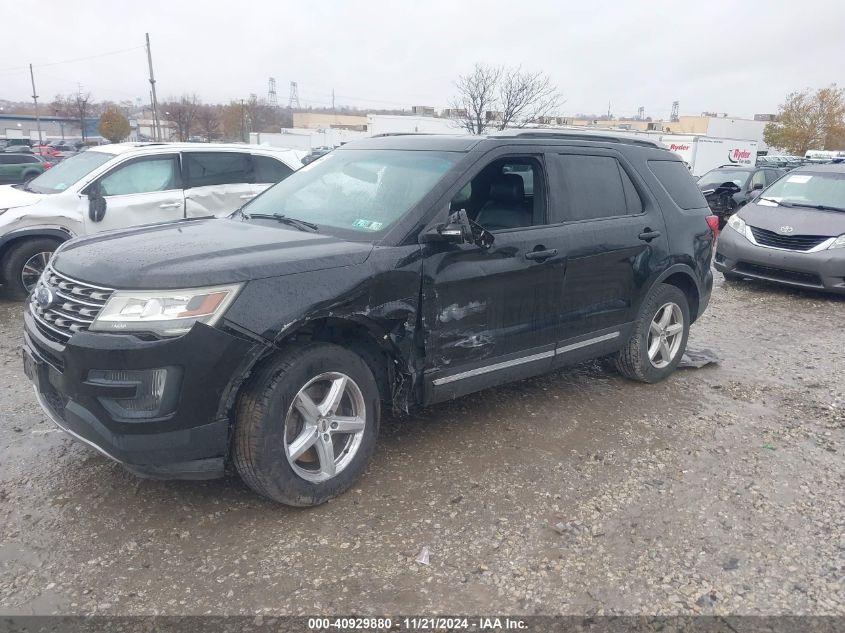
x=713 y=223
x=47 y=165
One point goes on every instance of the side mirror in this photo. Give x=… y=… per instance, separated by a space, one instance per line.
x=757 y=186
x=459 y=230
x=755 y=193
x=96 y=206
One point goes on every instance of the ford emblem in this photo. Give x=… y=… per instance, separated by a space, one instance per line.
x=44 y=296
x=786 y=230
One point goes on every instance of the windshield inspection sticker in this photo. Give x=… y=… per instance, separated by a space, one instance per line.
x=367 y=225
x=799 y=178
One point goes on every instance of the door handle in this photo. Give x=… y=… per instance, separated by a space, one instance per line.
x=248 y=196
x=541 y=255
x=170 y=205
x=647 y=235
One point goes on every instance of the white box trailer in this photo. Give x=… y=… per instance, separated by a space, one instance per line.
x=703 y=153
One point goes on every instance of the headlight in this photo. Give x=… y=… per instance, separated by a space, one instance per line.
x=164 y=312
x=737 y=224
x=839 y=242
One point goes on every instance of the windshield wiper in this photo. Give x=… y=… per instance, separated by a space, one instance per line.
x=302 y=225
x=820 y=207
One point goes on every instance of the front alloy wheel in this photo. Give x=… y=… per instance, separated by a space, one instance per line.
x=306 y=423
x=324 y=426
x=32 y=269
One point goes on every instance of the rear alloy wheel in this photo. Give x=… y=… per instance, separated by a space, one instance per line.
x=23 y=265
x=307 y=423
x=659 y=336
x=665 y=335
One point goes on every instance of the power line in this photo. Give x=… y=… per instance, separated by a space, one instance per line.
x=77 y=59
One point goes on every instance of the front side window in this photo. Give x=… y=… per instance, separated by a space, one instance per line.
x=507 y=194
x=591 y=187
x=68 y=172
x=159 y=173
x=359 y=191
x=206 y=169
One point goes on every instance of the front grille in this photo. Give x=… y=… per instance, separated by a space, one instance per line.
x=75 y=306
x=789 y=242
x=778 y=274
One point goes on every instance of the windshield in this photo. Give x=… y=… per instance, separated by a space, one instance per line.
x=362 y=191
x=717 y=177
x=67 y=172
x=827 y=189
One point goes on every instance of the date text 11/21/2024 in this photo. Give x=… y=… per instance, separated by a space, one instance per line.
x=417 y=624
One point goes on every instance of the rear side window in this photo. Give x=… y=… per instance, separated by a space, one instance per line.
x=269 y=169
x=678 y=183
x=205 y=169
x=591 y=187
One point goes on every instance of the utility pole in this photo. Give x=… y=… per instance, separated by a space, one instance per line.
x=35 y=101
x=156 y=123
x=243 y=122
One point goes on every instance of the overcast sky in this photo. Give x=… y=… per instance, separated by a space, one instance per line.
x=723 y=56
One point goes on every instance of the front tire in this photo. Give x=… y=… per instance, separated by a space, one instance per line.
x=659 y=338
x=23 y=265
x=307 y=424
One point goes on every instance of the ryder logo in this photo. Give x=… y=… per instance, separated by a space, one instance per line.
x=740 y=156
x=678 y=148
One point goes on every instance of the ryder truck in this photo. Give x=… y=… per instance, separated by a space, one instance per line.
x=704 y=153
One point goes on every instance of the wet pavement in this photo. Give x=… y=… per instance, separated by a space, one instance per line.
x=717 y=491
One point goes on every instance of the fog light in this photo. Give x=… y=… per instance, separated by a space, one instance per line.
x=154 y=391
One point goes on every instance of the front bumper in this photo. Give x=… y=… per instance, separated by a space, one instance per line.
x=823 y=270
x=188 y=442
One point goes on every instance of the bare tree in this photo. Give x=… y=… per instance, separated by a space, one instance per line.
x=208 y=121
x=477 y=95
x=182 y=113
x=526 y=97
x=498 y=97
x=80 y=107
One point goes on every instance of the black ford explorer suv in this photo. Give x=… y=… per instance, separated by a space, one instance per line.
x=393 y=272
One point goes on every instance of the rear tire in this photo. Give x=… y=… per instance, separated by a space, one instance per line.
x=287 y=400
x=648 y=357
x=21 y=265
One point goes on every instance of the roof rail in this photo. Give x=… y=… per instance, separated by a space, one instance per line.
x=583 y=135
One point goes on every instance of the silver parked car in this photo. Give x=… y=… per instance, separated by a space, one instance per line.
x=792 y=233
x=124 y=185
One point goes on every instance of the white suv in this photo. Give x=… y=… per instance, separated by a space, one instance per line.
x=125 y=185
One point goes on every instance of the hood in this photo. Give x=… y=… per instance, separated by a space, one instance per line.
x=803 y=221
x=11 y=197
x=194 y=253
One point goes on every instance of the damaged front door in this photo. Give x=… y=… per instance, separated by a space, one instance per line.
x=483 y=315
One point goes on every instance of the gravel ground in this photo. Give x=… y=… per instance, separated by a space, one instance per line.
x=718 y=491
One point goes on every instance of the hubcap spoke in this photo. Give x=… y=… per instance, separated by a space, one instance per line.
x=655 y=329
x=666 y=317
x=665 y=352
x=675 y=328
x=325 y=453
x=305 y=405
x=654 y=348
x=343 y=424
x=302 y=443
x=335 y=394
